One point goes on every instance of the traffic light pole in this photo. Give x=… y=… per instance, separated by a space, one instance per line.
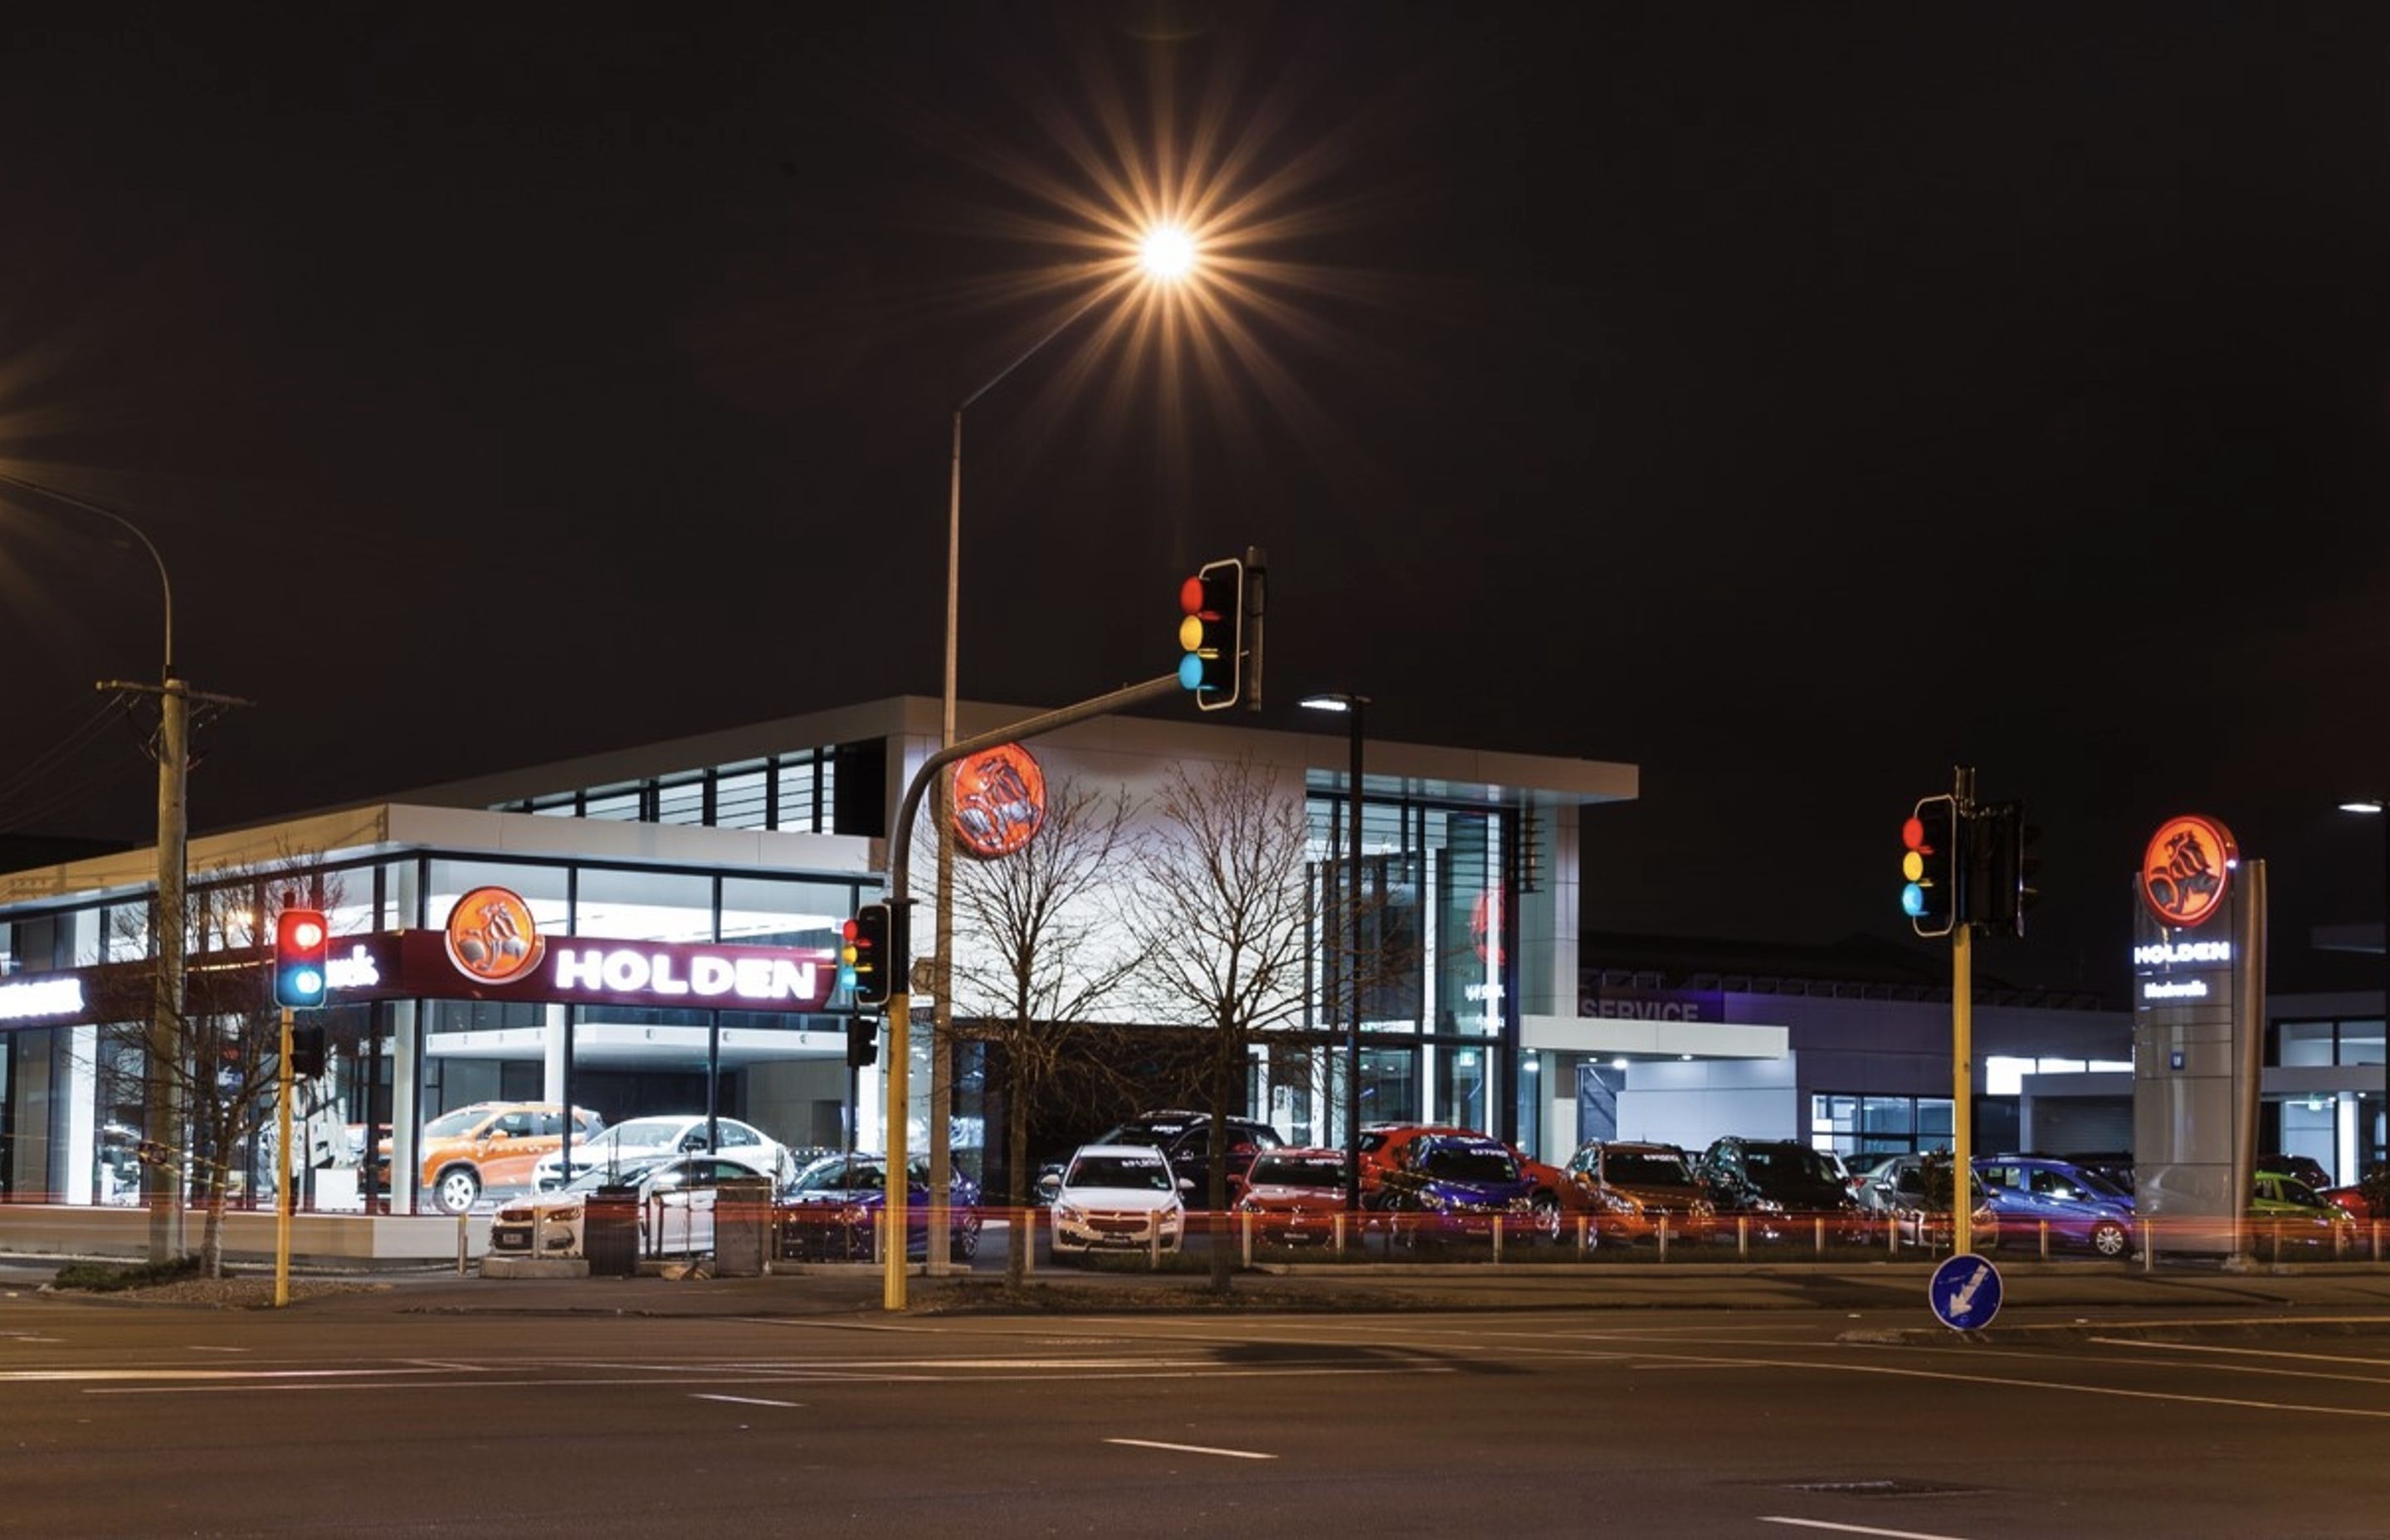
x=1962 y=1041
x=900 y=1005
x=282 y=1169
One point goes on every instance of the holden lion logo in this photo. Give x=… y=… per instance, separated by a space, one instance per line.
x=999 y=800
x=491 y=936
x=2187 y=869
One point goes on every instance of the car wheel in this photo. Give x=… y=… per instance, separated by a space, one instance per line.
x=2108 y=1239
x=456 y=1189
x=1545 y=1211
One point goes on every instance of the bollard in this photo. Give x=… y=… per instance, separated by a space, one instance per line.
x=1339 y=1235
x=2278 y=1241
x=1742 y=1235
x=1247 y=1220
x=1498 y=1240
x=2045 y=1240
x=1582 y=1222
x=461 y=1245
x=1153 y=1245
x=2377 y=1241
x=1026 y=1237
x=1822 y=1235
x=880 y=1237
x=1663 y=1237
x=2148 y=1252
x=1891 y=1233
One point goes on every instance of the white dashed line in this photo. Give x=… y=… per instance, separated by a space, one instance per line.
x=1192 y=1449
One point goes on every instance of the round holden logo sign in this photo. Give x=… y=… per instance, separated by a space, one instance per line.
x=2187 y=869
x=491 y=936
x=999 y=800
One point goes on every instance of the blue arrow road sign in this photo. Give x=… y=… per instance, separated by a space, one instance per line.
x=1965 y=1293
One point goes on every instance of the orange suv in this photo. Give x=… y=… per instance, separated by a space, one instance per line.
x=491 y=1146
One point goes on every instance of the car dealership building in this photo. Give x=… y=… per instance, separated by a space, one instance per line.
x=655 y=931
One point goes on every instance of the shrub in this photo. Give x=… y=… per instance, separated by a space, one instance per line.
x=107 y=1277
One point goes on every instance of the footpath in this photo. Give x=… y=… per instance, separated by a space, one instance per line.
x=2353 y=1296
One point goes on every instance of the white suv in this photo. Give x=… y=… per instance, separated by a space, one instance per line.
x=1117 y=1197
x=642 y=1140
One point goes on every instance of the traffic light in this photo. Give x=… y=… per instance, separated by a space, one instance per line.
x=1931 y=867
x=306 y=1052
x=871 y=957
x=1212 y=634
x=862 y=1043
x=301 y=945
x=2008 y=873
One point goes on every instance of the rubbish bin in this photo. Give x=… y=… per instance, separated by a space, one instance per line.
x=609 y=1232
x=743 y=1227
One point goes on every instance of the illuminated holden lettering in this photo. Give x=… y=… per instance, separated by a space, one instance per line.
x=357 y=970
x=2175 y=989
x=2158 y=954
x=41 y=997
x=627 y=972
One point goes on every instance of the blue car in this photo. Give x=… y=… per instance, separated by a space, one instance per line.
x=1446 y=1186
x=829 y=1212
x=2080 y=1207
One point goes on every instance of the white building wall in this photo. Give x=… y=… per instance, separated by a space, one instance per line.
x=1691 y=1104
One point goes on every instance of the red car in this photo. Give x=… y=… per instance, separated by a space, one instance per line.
x=2351 y=1198
x=1295 y=1196
x=1383 y=1144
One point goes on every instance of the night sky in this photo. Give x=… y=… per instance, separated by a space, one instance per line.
x=1793 y=401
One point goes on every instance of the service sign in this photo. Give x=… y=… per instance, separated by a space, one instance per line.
x=999 y=800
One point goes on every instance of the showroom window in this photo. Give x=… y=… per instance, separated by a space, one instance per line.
x=1843 y=1123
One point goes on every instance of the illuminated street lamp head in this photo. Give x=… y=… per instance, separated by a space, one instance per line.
x=2369 y=804
x=1168 y=253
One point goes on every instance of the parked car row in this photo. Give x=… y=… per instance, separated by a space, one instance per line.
x=497 y=1149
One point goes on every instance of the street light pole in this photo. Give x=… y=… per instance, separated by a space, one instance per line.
x=1168 y=255
x=162 y=1182
x=2379 y=808
x=1351 y=706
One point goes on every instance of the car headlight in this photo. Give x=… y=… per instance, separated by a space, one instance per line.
x=1700 y=1208
x=1069 y=1212
x=1768 y=1205
x=1247 y=1205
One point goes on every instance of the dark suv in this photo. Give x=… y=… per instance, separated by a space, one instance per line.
x=1775 y=1178
x=1185 y=1140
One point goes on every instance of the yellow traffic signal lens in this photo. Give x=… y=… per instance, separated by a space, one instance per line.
x=1912 y=866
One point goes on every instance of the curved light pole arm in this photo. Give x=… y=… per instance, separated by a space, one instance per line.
x=110 y=514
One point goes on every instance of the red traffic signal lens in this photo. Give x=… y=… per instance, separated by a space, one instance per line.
x=1192 y=595
x=1912 y=833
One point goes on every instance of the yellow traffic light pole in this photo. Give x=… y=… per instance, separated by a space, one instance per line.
x=1962 y=1021
x=899 y=1002
x=282 y=1194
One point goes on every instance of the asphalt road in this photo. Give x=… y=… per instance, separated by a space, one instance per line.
x=397 y=1414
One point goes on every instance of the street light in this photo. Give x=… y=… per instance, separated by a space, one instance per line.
x=163 y=1182
x=2377 y=807
x=1165 y=255
x=1353 y=707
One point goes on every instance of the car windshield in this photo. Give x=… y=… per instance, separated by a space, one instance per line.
x=1470 y=1163
x=644 y=1130
x=626 y=1174
x=1118 y=1171
x=841 y=1176
x=2098 y=1185
x=447 y=1125
x=1657 y=1169
x=1786 y=1162
x=1137 y=1134
x=1298 y=1171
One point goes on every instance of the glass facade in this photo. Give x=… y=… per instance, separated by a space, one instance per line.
x=371 y=1131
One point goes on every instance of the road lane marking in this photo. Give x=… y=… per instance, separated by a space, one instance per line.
x=2243 y=1351
x=1855 y=1529
x=742 y=1400
x=1192 y=1449
x=252 y=1387
x=453 y=1367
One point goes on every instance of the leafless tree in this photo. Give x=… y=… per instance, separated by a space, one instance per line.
x=1226 y=918
x=225 y=1073
x=1039 y=953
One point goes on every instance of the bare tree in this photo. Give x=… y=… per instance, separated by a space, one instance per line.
x=1039 y=951
x=1227 y=918
x=225 y=1074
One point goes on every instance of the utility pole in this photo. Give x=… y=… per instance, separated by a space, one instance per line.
x=1963 y=1041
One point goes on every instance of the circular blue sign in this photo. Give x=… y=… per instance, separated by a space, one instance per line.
x=1965 y=1293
